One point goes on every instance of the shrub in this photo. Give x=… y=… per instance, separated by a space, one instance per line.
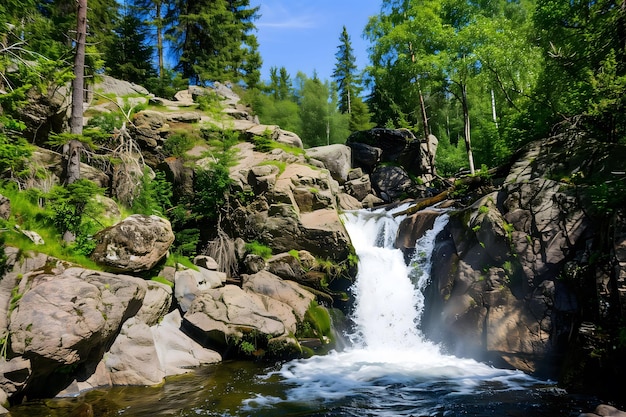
x=210 y=190
x=178 y=143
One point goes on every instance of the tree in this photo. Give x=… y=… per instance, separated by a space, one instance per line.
x=344 y=73
x=78 y=84
x=426 y=52
x=322 y=124
x=159 y=14
x=214 y=41
x=133 y=60
x=584 y=46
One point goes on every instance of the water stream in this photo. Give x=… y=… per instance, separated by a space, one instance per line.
x=387 y=369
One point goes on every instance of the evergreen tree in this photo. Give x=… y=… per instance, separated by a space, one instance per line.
x=214 y=41
x=133 y=61
x=344 y=73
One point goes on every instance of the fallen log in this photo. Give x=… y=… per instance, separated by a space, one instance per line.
x=469 y=181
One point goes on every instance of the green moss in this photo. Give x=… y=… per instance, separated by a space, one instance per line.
x=257 y=248
x=318 y=322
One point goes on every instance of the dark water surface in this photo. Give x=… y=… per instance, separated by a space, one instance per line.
x=249 y=389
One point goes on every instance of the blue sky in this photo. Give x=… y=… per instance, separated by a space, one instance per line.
x=304 y=35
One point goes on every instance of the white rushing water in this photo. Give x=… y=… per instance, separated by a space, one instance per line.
x=387 y=347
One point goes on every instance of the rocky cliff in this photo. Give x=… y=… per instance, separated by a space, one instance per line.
x=531 y=274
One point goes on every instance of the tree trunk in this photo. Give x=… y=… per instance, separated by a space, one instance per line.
x=78 y=84
x=493 y=109
x=466 y=129
x=159 y=30
x=72 y=151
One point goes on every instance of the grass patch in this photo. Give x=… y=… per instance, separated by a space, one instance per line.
x=257 y=248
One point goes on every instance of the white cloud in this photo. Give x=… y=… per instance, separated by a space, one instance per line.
x=281 y=15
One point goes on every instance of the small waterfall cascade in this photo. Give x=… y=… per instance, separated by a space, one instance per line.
x=389 y=366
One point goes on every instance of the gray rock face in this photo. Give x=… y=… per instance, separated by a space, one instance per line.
x=135 y=244
x=229 y=313
x=391 y=182
x=68 y=318
x=336 y=158
x=508 y=269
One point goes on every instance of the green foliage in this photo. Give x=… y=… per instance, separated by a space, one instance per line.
x=259 y=249
x=32 y=210
x=281 y=165
x=14 y=150
x=162 y=280
x=211 y=187
x=316 y=323
x=186 y=242
x=106 y=122
x=178 y=143
x=155 y=194
x=607 y=197
x=167 y=84
x=72 y=207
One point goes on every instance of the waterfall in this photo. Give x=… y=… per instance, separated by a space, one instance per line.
x=389 y=366
x=388 y=304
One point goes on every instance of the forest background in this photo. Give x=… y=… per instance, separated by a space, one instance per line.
x=485 y=76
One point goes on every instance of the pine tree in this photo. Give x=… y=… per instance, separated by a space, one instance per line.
x=133 y=60
x=344 y=73
x=214 y=41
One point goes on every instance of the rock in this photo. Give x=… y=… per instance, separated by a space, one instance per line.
x=372 y=201
x=220 y=317
x=184 y=117
x=108 y=85
x=365 y=156
x=135 y=244
x=397 y=145
x=604 y=410
x=149 y=129
x=336 y=158
x=68 y=319
x=178 y=352
x=289 y=138
x=5 y=207
x=286 y=266
x=206 y=262
x=89 y=377
x=413 y=228
x=53 y=163
x=346 y=202
x=32 y=235
x=392 y=182
x=156 y=304
x=359 y=188
x=190 y=283
x=14 y=375
x=179 y=175
x=133 y=359
x=287 y=292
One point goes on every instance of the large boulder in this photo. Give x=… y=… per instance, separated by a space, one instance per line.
x=135 y=244
x=336 y=158
x=299 y=212
x=66 y=319
x=189 y=283
x=393 y=182
x=223 y=317
x=133 y=358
